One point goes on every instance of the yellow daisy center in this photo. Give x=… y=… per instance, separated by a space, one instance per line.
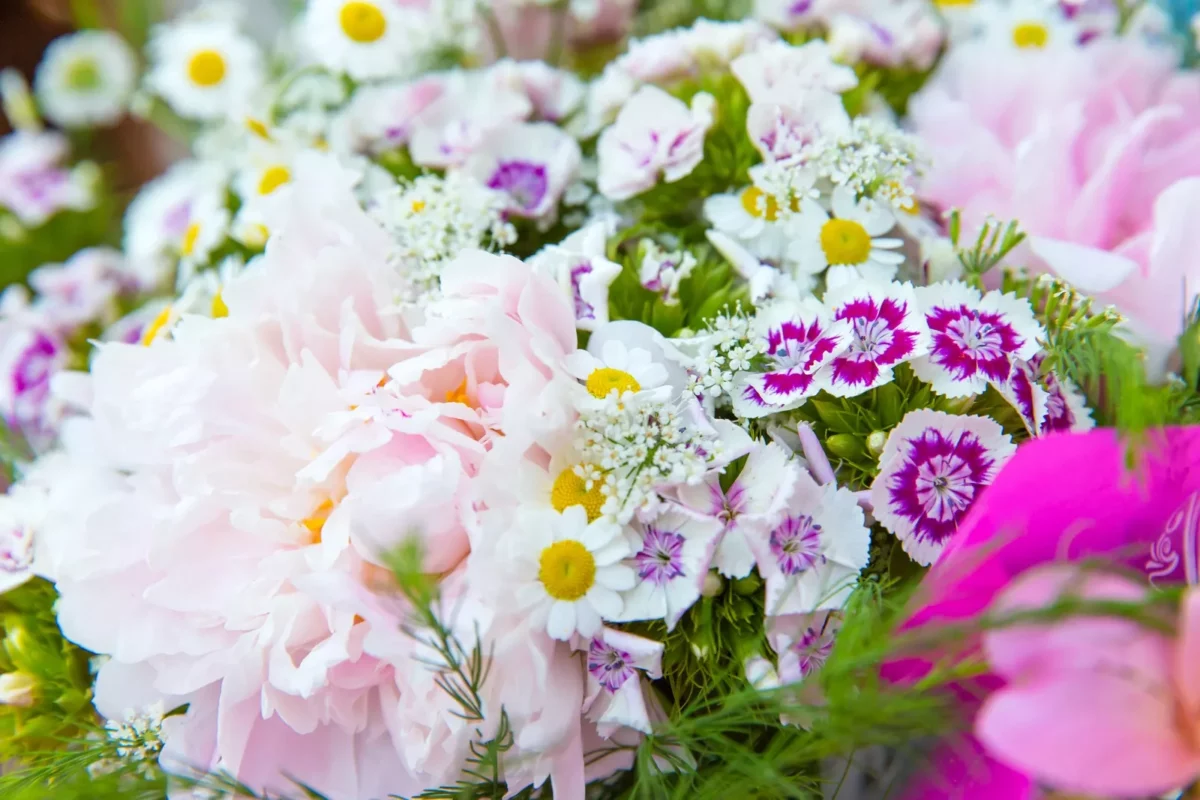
x=362 y=22
x=156 y=325
x=760 y=204
x=602 y=381
x=567 y=570
x=1030 y=35
x=418 y=206
x=959 y=3
x=273 y=177
x=206 y=68
x=219 y=309
x=845 y=242
x=315 y=523
x=189 y=239
x=572 y=490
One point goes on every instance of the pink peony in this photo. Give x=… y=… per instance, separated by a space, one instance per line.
x=1082 y=146
x=217 y=516
x=1102 y=706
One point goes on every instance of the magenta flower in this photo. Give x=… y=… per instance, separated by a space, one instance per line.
x=1046 y=404
x=974 y=339
x=930 y=472
x=798 y=346
x=886 y=329
x=1064 y=497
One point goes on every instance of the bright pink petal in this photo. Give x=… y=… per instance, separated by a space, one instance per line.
x=1093 y=732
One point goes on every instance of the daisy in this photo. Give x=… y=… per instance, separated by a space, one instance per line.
x=801 y=339
x=580 y=265
x=974 y=338
x=930 y=472
x=1025 y=24
x=574 y=570
x=812 y=557
x=618 y=369
x=365 y=38
x=531 y=163
x=618 y=664
x=158 y=217
x=203 y=68
x=671 y=562
x=752 y=217
x=886 y=329
x=852 y=239
x=86 y=78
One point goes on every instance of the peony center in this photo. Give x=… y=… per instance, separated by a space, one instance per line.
x=845 y=242
x=567 y=570
x=272 y=178
x=362 y=22
x=315 y=523
x=572 y=490
x=459 y=395
x=760 y=204
x=1030 y=35
x=206 y=68
x=604 y=380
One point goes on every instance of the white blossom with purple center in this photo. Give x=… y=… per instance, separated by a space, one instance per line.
x=29 y=358
x=34 y=184
x=581 y=268
x=654 y=135
x=1026 y=396
x=931 y=471
x=802 y=643
x=532 y=163
x=16 y=539
x=800 y=341
x=673 y=552
x=974 y=338
x=1066 y=407
x=617 y=665
x=886 y=329
x=812 y=557
x=751 y=502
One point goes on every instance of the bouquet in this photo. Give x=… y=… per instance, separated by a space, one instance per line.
x=605 y=400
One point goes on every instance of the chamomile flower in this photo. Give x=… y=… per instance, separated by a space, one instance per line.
x=203 y=68
x=851 y=240
x=86 y=78
x=1026 y=24
x=618 y=369
x=574 y=570
x=753 y=218
x=364 y=38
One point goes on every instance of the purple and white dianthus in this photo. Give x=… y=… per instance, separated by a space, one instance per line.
x=931 y=471
x=886 y=329
x=796 y=544
x=661 y=558
x=974 y=339
x=608 y=665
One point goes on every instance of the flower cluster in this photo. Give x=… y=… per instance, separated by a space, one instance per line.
x=489 y=390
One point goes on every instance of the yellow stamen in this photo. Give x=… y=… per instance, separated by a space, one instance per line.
x=206 y=68
x=418 y=206
x=567 y=570
x=845 y=242
x=219 y=309
x=362 y=22
x=572 y=490
x=316 y=522
x=258 y=128
x=459 y=395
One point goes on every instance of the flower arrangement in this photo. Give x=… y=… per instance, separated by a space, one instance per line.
x=605 y=399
